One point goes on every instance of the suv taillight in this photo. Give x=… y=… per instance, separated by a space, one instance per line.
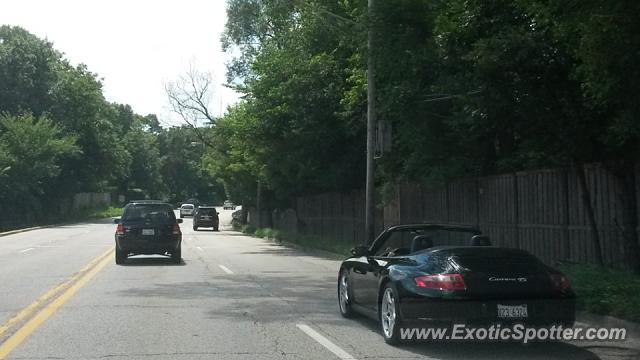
x=176 y=229
x=441 y=282
x=120 y=229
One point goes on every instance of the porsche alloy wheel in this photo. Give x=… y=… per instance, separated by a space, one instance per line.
x=390 y=320
x=344 y=295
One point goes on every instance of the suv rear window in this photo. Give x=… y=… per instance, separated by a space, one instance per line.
x=187 y=206
x=206 y=211
x=153 y=212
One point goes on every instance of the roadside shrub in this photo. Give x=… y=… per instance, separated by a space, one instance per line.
x=261 y=233
x=248 y=229
x=605 y=291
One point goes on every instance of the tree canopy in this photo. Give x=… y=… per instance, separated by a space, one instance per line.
x=60 y=136
x=468 y=87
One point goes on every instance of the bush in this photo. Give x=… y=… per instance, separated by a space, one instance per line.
x=605 y=291
x=106 y=212
x=261 y=233
x=306 y=241
x=248 y=229
x=93 y=213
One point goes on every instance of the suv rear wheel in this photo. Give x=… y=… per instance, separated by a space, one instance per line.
x=121 y=256
x=176 y=256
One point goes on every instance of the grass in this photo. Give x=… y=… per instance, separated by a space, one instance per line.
x=93 y=213
x=605 y=291
x=75 y=216
x=106 y=212
x=306 y=241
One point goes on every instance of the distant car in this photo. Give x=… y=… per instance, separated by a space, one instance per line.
x=206 y=216
x=187 y=210
x=228 y=205
x=148 y=227
x=402 y=278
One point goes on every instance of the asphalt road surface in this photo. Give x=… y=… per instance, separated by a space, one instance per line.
x=233 y=297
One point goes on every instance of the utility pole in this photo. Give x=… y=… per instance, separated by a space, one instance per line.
x=258 y=206
x=371 y=122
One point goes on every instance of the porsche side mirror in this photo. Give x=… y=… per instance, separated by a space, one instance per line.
x=480 y=240
x=360 y=251
x=179 y=221
x=116 y=220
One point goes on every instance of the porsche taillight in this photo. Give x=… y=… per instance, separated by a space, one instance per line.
x=560 y=282
x=441 y=282
x=176 y=229
x=120 y=229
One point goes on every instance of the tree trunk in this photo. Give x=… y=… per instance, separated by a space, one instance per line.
x=624 y=173
x=586 y=201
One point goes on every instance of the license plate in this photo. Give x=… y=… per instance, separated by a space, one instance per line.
x=512 y=311
x=148 y=232
x=206 y=218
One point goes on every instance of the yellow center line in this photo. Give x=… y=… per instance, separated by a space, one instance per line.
x=24 y=313
x=80 y=279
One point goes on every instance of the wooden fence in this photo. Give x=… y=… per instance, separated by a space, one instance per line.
x=540 y=211
x=38 y=213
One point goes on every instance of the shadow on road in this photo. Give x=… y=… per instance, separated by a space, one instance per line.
x=275 y=248
x=487 y=350
x=152 y=261
x=279 y=297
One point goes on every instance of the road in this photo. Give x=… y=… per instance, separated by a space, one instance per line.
x=233 y=297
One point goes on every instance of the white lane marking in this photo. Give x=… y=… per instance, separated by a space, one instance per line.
x=225 y=269
x=27 y=249
x=199 y=248
x=335 y=349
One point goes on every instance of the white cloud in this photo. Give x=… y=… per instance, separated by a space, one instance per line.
x=135 y=46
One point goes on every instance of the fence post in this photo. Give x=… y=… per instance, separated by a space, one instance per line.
x=447 y=202
x=516 y=210
x=477 y=202
x=566 y=218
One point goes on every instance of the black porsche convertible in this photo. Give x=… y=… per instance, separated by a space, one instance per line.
x=442 y=275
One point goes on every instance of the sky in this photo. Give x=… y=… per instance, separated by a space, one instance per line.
x=135 y=46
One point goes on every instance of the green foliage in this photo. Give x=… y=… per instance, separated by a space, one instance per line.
x=287 y=133
x=31 y=150
x=340 y=248
x=248 y=229
x=28 y=71
x=59 y=136
x=267 y=233
x=605 y=291
x=183 y=167
x=469 y=88
x=109 y=211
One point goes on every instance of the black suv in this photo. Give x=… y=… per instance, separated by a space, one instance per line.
x=206 y=216
x=148 y=227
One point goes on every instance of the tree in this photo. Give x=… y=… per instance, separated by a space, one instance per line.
x=183 y=168
x=189 y=97
x=28 y=71
x=32 y=150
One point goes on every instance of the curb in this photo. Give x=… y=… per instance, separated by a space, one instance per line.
x=311 y=250
x=24 y=230
x=319 y=252
x=12 y=232
x=633 y=328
